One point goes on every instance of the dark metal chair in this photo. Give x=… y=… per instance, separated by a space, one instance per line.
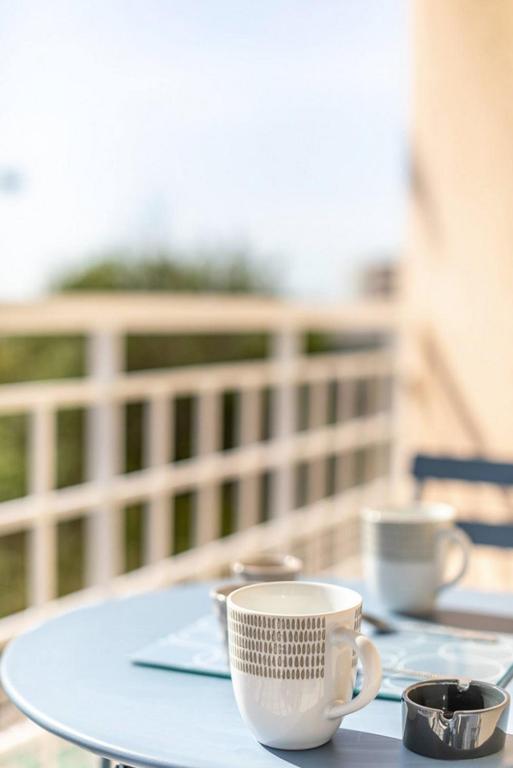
x=500 y=474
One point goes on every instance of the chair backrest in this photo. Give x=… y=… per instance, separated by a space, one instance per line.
x=428 y=467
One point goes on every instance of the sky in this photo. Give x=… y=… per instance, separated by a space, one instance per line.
x=277 y=125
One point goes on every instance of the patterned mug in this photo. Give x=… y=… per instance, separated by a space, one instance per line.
x=293 y=653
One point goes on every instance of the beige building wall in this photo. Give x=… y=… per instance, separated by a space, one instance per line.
x=459 y=269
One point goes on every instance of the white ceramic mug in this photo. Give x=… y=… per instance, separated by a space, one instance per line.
x=293 y=653
x=405 y=554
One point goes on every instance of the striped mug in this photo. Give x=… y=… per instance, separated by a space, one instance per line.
x=406 y=552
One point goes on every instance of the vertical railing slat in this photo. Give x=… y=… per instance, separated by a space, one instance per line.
x=104 y=458
x=250 y=419
x=346 y=409
x=373 y=405
x=42 y=556
x=158 y=450
x=286 y=349
x=318 y=413
x=207 y=425
x=404 y=363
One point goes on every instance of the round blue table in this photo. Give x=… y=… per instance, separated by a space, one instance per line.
x=72 y=676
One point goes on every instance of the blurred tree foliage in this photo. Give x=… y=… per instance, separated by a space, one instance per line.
x=201 y=272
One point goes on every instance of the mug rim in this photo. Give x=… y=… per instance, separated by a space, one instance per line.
x=455 y=681
x=231 y=603
x=221 y=592
x=416 y=512
x=277 y=563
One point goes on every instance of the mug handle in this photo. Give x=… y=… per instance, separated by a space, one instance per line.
x=371 y=665
x=464 y=542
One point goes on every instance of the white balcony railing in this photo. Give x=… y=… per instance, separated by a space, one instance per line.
x=345 y=449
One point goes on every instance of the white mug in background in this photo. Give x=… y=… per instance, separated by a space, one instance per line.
x=405 y=554
x=293 y=653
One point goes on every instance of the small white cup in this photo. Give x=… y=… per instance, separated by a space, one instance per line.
x=268 y=567
x=293 y=654
x=405 y=553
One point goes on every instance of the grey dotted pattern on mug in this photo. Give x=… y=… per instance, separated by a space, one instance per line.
x=357 y=625
x=284 y=648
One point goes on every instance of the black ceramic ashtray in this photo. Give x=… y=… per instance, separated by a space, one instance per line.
x=454 y=719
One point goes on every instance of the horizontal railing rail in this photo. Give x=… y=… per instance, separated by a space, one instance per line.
x=189 y=313
x=16 y=398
